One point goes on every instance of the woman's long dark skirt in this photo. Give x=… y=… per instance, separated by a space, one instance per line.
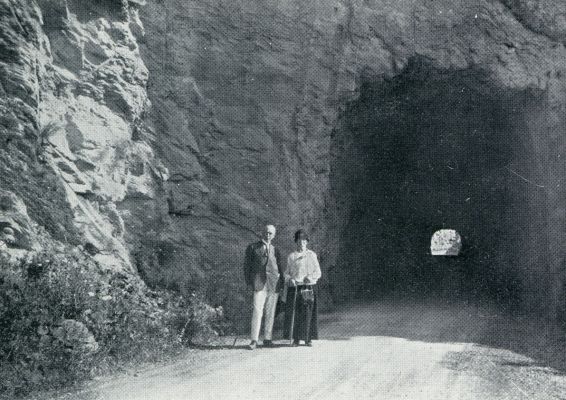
x=306 y=316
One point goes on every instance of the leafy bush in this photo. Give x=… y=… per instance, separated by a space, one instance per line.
x=36 y=298
x=62 y=319
x=219 y=287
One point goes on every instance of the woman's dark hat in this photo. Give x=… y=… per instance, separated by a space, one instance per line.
x=300 y=235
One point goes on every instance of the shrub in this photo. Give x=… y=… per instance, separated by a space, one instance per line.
x=220 y=287
x=62 y=319
x=37 y=345
x=197 y=322
x=44 y=134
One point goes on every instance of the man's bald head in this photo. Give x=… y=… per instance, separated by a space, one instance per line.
x=268 y=233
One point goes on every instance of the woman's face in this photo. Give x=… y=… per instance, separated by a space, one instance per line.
x=302 y=244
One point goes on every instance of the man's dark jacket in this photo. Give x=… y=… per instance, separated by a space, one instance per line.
x=255 y=265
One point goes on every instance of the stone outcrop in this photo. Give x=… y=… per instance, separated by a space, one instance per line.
x=22 y=61
x=544 y=17
x=75 y=101
x=15 y=222
x=96 y=98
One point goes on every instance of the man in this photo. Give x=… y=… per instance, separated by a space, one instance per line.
x=264 y=275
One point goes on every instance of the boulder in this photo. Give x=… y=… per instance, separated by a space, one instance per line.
x=15 y=225
x=76 y=337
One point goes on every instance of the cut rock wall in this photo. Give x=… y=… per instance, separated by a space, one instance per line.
x=247 y=97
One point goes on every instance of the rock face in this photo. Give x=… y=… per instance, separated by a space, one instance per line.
x=96 y=99
x=75 y=99
x=21 y=61
x=327 y=115
x=253 y=112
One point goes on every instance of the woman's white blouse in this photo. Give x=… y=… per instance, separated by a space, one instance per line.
x=301 y=265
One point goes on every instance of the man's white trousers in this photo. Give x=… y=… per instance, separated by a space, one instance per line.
x=264 y=302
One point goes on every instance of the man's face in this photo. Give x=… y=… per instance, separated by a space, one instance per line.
x=269 y=233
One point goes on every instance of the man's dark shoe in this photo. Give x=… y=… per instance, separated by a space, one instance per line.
x=295 y=343
x=252 y=345
x=309 y=343
x=267 y=343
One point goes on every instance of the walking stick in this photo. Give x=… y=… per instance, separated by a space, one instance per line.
x=293 y=316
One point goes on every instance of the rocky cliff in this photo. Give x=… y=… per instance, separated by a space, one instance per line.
x=74 y=98
x=171 y=131
x=257 y=111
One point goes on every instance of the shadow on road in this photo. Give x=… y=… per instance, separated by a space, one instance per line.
x=237 y=346
x=218 y=347
x=444 y=321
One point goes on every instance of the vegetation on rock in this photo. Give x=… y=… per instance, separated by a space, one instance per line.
x=63 y=318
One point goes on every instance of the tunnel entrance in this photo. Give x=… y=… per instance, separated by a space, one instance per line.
x=429 y=150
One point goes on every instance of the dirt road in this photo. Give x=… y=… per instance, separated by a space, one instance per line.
x=384 y=350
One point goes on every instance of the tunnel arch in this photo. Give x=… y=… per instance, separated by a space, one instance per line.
x=429 y=149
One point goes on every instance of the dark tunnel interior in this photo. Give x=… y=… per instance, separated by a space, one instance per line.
x=428 y=150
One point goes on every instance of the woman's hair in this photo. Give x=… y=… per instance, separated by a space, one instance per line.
x=301 y=234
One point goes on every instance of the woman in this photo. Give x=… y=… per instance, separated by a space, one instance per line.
x=301 y=275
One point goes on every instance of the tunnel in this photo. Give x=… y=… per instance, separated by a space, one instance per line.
x=437 y=149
